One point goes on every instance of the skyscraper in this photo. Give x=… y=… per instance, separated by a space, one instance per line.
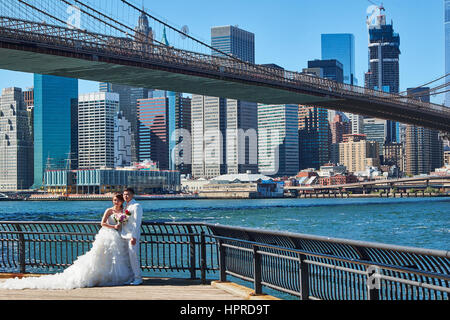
x=235 y=41
x=164 y=130
x=314 y=128
x=224 y=130
x=96 y=113
x=122 y=141
x=55 y=103
x=383 y=73
x=154 y=134
x=341 y=47
x=423 y=146
x=16 y=146
x=278 y=139
x=313 y=135
x=447 y=47
x=128 y=106
x=208 y=144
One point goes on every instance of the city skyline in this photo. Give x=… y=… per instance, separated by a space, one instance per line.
x=285 y=45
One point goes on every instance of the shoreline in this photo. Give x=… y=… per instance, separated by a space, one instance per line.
x=232 y=197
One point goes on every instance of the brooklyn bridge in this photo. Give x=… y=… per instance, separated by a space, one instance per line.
x=36 y=38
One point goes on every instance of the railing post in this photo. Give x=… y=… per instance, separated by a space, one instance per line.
x=304 y=278
x=257 y=271
x=21 y=250
x=192 y=254
x=203 y=257
x=222 y=261
x=373 y=283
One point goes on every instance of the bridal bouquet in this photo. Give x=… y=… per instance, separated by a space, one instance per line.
x=122 y=217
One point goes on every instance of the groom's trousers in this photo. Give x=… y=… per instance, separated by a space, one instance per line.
x=134 y=259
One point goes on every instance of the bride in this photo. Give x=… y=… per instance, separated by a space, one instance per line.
x=107 y=263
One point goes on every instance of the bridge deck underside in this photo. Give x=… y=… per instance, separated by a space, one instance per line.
x=35 y=59
x=145 y=77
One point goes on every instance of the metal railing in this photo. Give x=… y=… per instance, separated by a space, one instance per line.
x=305 y=266
x=80 y=41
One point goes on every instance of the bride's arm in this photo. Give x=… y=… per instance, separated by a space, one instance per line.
x=105 y=223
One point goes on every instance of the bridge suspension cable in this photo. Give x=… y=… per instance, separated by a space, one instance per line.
x=425 y=84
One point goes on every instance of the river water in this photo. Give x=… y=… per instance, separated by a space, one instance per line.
x=414 y=222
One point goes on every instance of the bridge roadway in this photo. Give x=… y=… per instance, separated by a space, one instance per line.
x=371 y=183
x=54 y=50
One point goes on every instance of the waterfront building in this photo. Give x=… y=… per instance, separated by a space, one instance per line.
x=313 y=137
x=55 y=124
x=356 y=153
x=101 y=181
x=96 y=113
x=278 y=153
x=122 y=141
x=383 y=73
x=447 y=47
x=337 y=179
x=16 y=146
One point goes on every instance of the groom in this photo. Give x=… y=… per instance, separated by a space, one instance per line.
x=131 y=232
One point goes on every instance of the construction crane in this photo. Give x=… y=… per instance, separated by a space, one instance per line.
x=374 y=12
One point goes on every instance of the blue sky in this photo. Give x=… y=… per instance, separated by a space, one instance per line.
x=287 y=32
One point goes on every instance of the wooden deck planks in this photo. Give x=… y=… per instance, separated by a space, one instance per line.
x=151 y=289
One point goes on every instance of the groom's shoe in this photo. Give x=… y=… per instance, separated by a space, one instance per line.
x=136 y=282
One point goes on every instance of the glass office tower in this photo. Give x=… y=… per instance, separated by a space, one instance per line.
x=341 y=46
x=55 y=102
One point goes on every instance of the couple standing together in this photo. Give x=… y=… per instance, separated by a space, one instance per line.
x=112 y=260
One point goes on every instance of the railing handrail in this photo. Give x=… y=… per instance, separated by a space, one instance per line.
x=359 y=243
x=331 y=257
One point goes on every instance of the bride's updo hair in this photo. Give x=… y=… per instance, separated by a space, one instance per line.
x=119 y=196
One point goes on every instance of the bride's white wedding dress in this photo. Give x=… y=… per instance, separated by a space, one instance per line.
x=107 y=263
